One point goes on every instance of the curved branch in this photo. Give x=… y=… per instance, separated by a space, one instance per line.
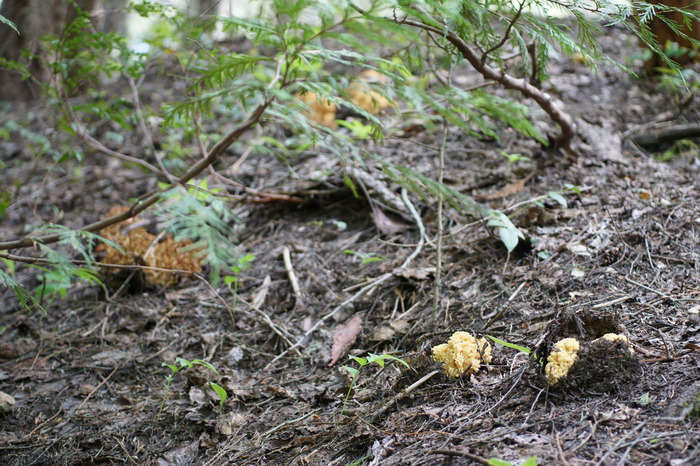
x=506 y=34
x=140 y=206
x=543 y=99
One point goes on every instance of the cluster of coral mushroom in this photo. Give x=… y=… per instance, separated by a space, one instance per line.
x=463 y=354
x=138 y=247
x=360 y=93
x=565 y=353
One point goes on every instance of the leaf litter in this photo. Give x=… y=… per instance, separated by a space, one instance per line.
x=86 y=377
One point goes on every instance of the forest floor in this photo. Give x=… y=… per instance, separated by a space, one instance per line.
x=622 y=256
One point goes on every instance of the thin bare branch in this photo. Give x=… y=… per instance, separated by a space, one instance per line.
x=543 y=99
x=506 y=35
x=155 y=197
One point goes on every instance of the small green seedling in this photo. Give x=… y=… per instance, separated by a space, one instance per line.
x=531 y=461
x=339 y=224
x=221 y=393
x=355 y=373
x=510 y=234
x=183 y=363
x=516 y=157
x=241 y=264
x=694 y=407
x=365 y=257
x=558 y=198
x=522 y=349
x=646 y=399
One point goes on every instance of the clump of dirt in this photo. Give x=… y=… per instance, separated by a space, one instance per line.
x=603 y=364
x=586 y=325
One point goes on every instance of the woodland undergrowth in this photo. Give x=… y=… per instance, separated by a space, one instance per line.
x=295 y=48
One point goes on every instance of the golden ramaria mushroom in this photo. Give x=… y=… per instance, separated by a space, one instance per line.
x=561 y=359
x=321 y=111
x=462 y=354
x=616 y=337
x=362 y=95
x=139 y=247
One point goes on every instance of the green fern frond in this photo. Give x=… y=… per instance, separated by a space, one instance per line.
x=227 y=67
x=207 y=222
x=25 y=297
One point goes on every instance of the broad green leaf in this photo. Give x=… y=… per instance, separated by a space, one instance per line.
x=172 y=367
x=361 y=361
x=351 y=370
x=497 y=462
x=205 y=364
x=219 y=391
x=558 y=198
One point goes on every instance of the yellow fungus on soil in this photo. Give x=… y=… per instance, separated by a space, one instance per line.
x=462 y=354
x=561 y=359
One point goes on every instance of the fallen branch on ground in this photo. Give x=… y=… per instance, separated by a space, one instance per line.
x=650 y=136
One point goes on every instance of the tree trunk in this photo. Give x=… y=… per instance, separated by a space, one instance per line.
x=203 y=7
x=34 y=19
x=115 y=15
x=665 y=35
x=202 y=11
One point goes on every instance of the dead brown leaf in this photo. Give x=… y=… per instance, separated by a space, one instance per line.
x=510 y=190
x=387 y=332
x=415 y=273
x=344 y=336
x=385 y=224
x=261 y=293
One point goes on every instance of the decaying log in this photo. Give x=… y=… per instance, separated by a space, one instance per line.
x=651 y=136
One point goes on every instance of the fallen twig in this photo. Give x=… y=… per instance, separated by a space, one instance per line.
x=286 y=256
x=404 y=393
x=94 y=390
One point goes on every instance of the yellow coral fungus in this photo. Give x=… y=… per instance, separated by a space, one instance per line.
x=362 y=95
x=321 y=111
x=462 y=354
x=561 y=359
x=139 y=247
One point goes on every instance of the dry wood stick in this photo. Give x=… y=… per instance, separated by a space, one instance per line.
x=650 y=137
x=290 y=273
x=153 y=198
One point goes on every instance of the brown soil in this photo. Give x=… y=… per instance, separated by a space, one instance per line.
x=623 y=255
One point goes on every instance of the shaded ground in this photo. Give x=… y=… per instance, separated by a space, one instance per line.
x=87 y=376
